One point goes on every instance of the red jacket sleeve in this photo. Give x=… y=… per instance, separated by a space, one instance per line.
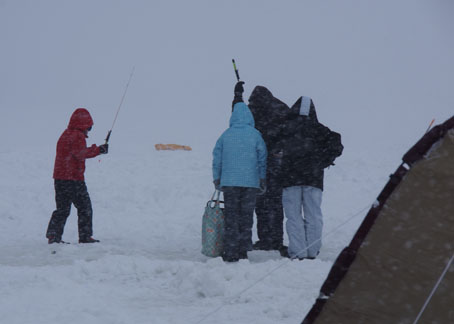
x=80 y=150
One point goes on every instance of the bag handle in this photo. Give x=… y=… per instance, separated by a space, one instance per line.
x=216 y=198
x=216 y=193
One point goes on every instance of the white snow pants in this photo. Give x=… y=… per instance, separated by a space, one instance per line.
x=304 y=233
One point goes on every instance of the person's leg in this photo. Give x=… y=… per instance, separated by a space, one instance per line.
x=245 y=221
x=275 y=212
x=269 y=211
x=84 y=211
x=313 y=219
x=64 y=192
x=291 y=199
x=263 y=231
x=231 y=216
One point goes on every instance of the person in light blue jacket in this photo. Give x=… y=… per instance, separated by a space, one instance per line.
x=239 y=170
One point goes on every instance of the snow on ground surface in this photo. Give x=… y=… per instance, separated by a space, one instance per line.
x=148 y=267
x=378 y=71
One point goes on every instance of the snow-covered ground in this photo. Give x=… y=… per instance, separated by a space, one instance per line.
x=378 y=71
x=148 y=267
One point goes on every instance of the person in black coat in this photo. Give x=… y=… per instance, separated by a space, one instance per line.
x=270 y=115
x=303 y=147
x=308 y=148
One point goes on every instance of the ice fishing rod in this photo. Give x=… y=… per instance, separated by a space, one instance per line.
x=119 y=106
x=430 y=125
x=236 y=70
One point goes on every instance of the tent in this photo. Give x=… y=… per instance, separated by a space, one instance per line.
x=399 y=265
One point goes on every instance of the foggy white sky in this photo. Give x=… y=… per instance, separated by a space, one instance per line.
x=378 y=71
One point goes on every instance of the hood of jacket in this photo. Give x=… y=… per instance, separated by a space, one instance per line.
x=261 y=96
x=80 y=120
x=297 y=109
x=263 y=99
x=301 y=119
x=241 y=115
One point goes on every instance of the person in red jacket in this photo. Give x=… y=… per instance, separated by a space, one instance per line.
x=69 y=181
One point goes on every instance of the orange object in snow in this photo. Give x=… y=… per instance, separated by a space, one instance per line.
x=172 y=147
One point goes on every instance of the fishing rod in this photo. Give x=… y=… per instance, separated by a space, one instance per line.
x=236 y=70
x=430 y=125
x=119 y=106
x=238 y=91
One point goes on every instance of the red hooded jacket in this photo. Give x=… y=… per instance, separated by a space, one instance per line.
x=72 y=148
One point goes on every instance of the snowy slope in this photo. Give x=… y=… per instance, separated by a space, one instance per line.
x=148 y=268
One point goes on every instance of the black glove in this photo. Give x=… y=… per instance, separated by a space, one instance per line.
x=238 y=93
x=103 y=149
x=217 y=184
x=262 y=189
x=239 y=88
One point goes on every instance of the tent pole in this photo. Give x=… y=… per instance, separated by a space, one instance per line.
x=433 y=290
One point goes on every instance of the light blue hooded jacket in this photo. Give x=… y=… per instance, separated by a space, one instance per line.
x=239 y=157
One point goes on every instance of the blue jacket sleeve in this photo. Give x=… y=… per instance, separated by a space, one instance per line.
x=217 y=159
x=261 y=157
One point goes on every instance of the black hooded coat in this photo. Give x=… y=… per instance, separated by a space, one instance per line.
x=270 y=115
x=307 y=149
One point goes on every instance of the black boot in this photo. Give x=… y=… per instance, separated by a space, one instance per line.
x=87 y=240
x=53 y=239
x=242 y=255
x=283 y=250
x=262 y=245
x=229 y=259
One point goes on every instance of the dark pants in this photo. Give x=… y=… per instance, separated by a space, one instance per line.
x=239 y=203
x=69 y=192
x=269 y=210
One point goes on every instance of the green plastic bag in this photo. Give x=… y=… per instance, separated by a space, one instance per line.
x=213 y=227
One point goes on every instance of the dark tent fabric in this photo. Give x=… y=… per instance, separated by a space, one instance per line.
x=402 y=248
